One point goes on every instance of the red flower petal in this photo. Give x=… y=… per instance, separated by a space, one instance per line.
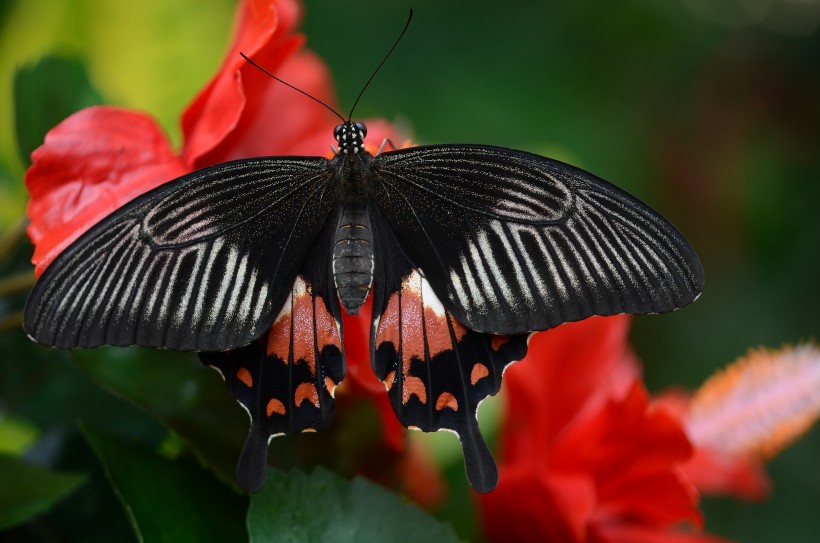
x=278 y=120
x=713 y=472
x=622 y=427
x=357 y=348
x=216 y=111
x=89 y=165
x=538 y=506
x=568 y=371
x=633 y=453
x=577 y=411
x=626 y=452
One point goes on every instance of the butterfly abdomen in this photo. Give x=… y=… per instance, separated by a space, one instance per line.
x=353 y=258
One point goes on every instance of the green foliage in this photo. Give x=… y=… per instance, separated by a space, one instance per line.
x=27 y=490
x=181 y=393
x=173 y=501
x=295 y=507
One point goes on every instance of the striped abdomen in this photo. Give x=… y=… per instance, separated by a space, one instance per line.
x=353 y=258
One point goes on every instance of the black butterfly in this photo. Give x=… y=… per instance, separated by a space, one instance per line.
x=467 y=249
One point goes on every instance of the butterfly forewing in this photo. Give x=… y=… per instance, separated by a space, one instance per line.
x=200 y=263
x=513 y=242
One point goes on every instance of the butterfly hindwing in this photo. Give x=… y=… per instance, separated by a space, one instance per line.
x=200 y=263
x=435 y=369
x=287 y=378
x=513 y=242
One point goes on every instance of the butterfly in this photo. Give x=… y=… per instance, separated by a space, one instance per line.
x=465 y=250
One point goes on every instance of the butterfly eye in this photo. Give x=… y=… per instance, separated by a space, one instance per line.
x=361 y=128
x=337 y=132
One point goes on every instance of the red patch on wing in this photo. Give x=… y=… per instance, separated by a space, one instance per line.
x=416 y=323
x=311 y=325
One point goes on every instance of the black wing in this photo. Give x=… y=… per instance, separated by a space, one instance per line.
x=199 y=263
x=513 y=242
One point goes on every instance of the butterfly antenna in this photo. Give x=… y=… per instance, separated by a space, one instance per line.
x=401 y=34
x=297 y=89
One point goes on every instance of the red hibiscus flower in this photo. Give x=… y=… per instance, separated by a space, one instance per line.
x=585 y=458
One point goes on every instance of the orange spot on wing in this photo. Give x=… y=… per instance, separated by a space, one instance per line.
x=478 y=372
x=306 y=391
x=497 y=341
x=446 y=400
x=275 y=406
x=245 y=376
x=413 y=385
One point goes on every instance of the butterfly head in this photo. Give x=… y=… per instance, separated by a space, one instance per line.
x=350 y=137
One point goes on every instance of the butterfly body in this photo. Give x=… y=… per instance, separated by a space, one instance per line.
x=353 y=256
x=465 y=249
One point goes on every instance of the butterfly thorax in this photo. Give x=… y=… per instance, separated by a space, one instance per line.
x=353 y=260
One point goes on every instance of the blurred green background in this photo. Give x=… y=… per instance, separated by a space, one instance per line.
x=709 y=111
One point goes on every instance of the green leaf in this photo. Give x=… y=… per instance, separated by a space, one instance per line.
x=183 y=394
x=322 y=507
x=174 y=501
x=45 y=93
x=27 y=490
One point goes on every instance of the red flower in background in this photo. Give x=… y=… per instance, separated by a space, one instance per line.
x=585 y=458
